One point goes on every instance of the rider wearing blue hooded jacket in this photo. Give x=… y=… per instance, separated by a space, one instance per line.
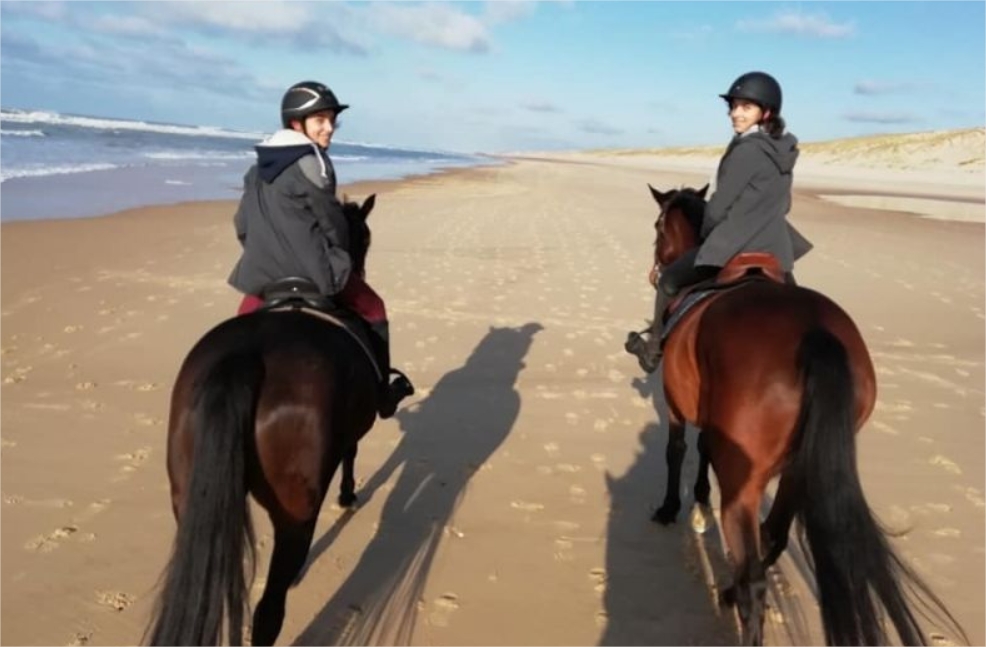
x=291 y=224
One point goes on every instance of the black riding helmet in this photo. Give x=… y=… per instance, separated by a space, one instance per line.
x=305 y=98
x=758 y=87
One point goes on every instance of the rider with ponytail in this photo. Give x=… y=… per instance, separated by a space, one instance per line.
x=747 y=212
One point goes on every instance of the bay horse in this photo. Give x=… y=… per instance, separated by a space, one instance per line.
x=269 y=404
x=779 y=380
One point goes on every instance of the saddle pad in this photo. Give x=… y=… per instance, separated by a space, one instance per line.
x=342 y=324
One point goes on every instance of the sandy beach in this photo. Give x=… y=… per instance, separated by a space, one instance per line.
x=509 y=502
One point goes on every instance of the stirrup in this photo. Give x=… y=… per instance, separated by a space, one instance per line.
x=635 y=342
x=402 y=385
x=646 y=357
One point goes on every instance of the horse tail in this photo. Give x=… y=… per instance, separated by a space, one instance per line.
x=856 y=569
x=206 y=578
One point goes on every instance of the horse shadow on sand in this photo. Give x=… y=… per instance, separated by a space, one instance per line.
x=446 y=438
x=657 y=578
x=662 y=583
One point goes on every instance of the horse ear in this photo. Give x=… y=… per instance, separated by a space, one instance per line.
x=701 y=192
x=660 y=197
x=368 y=205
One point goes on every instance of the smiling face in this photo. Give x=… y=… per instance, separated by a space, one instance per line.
x=744 y=115
x=318 y=127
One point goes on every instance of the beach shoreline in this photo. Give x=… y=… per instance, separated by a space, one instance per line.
x=528 y=463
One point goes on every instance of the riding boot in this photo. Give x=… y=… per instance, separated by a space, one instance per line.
x=391 y=393
x=648 y=348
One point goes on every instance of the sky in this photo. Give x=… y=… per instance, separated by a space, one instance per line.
x=503 y=76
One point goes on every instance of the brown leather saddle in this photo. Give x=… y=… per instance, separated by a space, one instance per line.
x=295 y=293
x=741 y=269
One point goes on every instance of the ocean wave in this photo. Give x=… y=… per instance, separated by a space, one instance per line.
x=425 y=151
x=57 y=119
x=10 y=174
x=22 y=133
x=199 y=155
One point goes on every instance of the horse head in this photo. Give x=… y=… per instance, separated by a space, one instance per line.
x=359 y=231
x=679 y=224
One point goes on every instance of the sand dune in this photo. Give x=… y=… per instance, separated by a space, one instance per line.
x=947 y=150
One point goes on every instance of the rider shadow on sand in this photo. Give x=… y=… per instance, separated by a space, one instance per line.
x=446 y=438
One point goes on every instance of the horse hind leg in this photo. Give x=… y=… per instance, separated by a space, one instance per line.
x=291 y=544
x=749 y=589
x=702 y=487
x=775 y=530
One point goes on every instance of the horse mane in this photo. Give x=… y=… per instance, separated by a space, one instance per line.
x=359 y=233
x=692 y=205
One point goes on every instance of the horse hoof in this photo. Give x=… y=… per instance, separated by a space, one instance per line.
x=665 y=516
x=347 y=500
x=727 y=596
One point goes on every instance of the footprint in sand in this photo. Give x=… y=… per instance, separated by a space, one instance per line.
x=81 y=638
x=445 y=606
x=116 y=599
x=85 y=386
x=946 y=464
x=526 y=506
x=940 y=640
x=49 y=542
x=973 y=496
x=884 y=428
x=598 y=577
x=134 y=461
x=563 y=550
x=18 y=375
x=948 y=532
x=146 y=420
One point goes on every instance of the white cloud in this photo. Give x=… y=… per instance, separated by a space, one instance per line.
x=271 y=17
x=440 y=25
x=51 y=11
x=801 y=24
x=595 y=127
x=540 y=106
x=500 y=11
x=872 y=117
x=121 y=25
x=883 y=87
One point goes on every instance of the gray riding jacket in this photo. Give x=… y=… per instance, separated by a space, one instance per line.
x=747 y=212
x=289 y=221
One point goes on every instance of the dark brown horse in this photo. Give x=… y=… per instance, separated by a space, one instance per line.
x=779 y=380
x=269 y=404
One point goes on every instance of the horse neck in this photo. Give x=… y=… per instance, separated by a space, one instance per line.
x=677 y=238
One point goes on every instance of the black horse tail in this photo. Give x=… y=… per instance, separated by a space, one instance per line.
x=206 y=579
x=858 y=574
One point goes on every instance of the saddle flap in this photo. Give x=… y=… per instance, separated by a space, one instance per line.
x=747 y=262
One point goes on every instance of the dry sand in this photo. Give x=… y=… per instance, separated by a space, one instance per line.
x=509 y=503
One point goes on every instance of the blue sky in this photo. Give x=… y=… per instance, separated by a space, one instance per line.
x=504 y=76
